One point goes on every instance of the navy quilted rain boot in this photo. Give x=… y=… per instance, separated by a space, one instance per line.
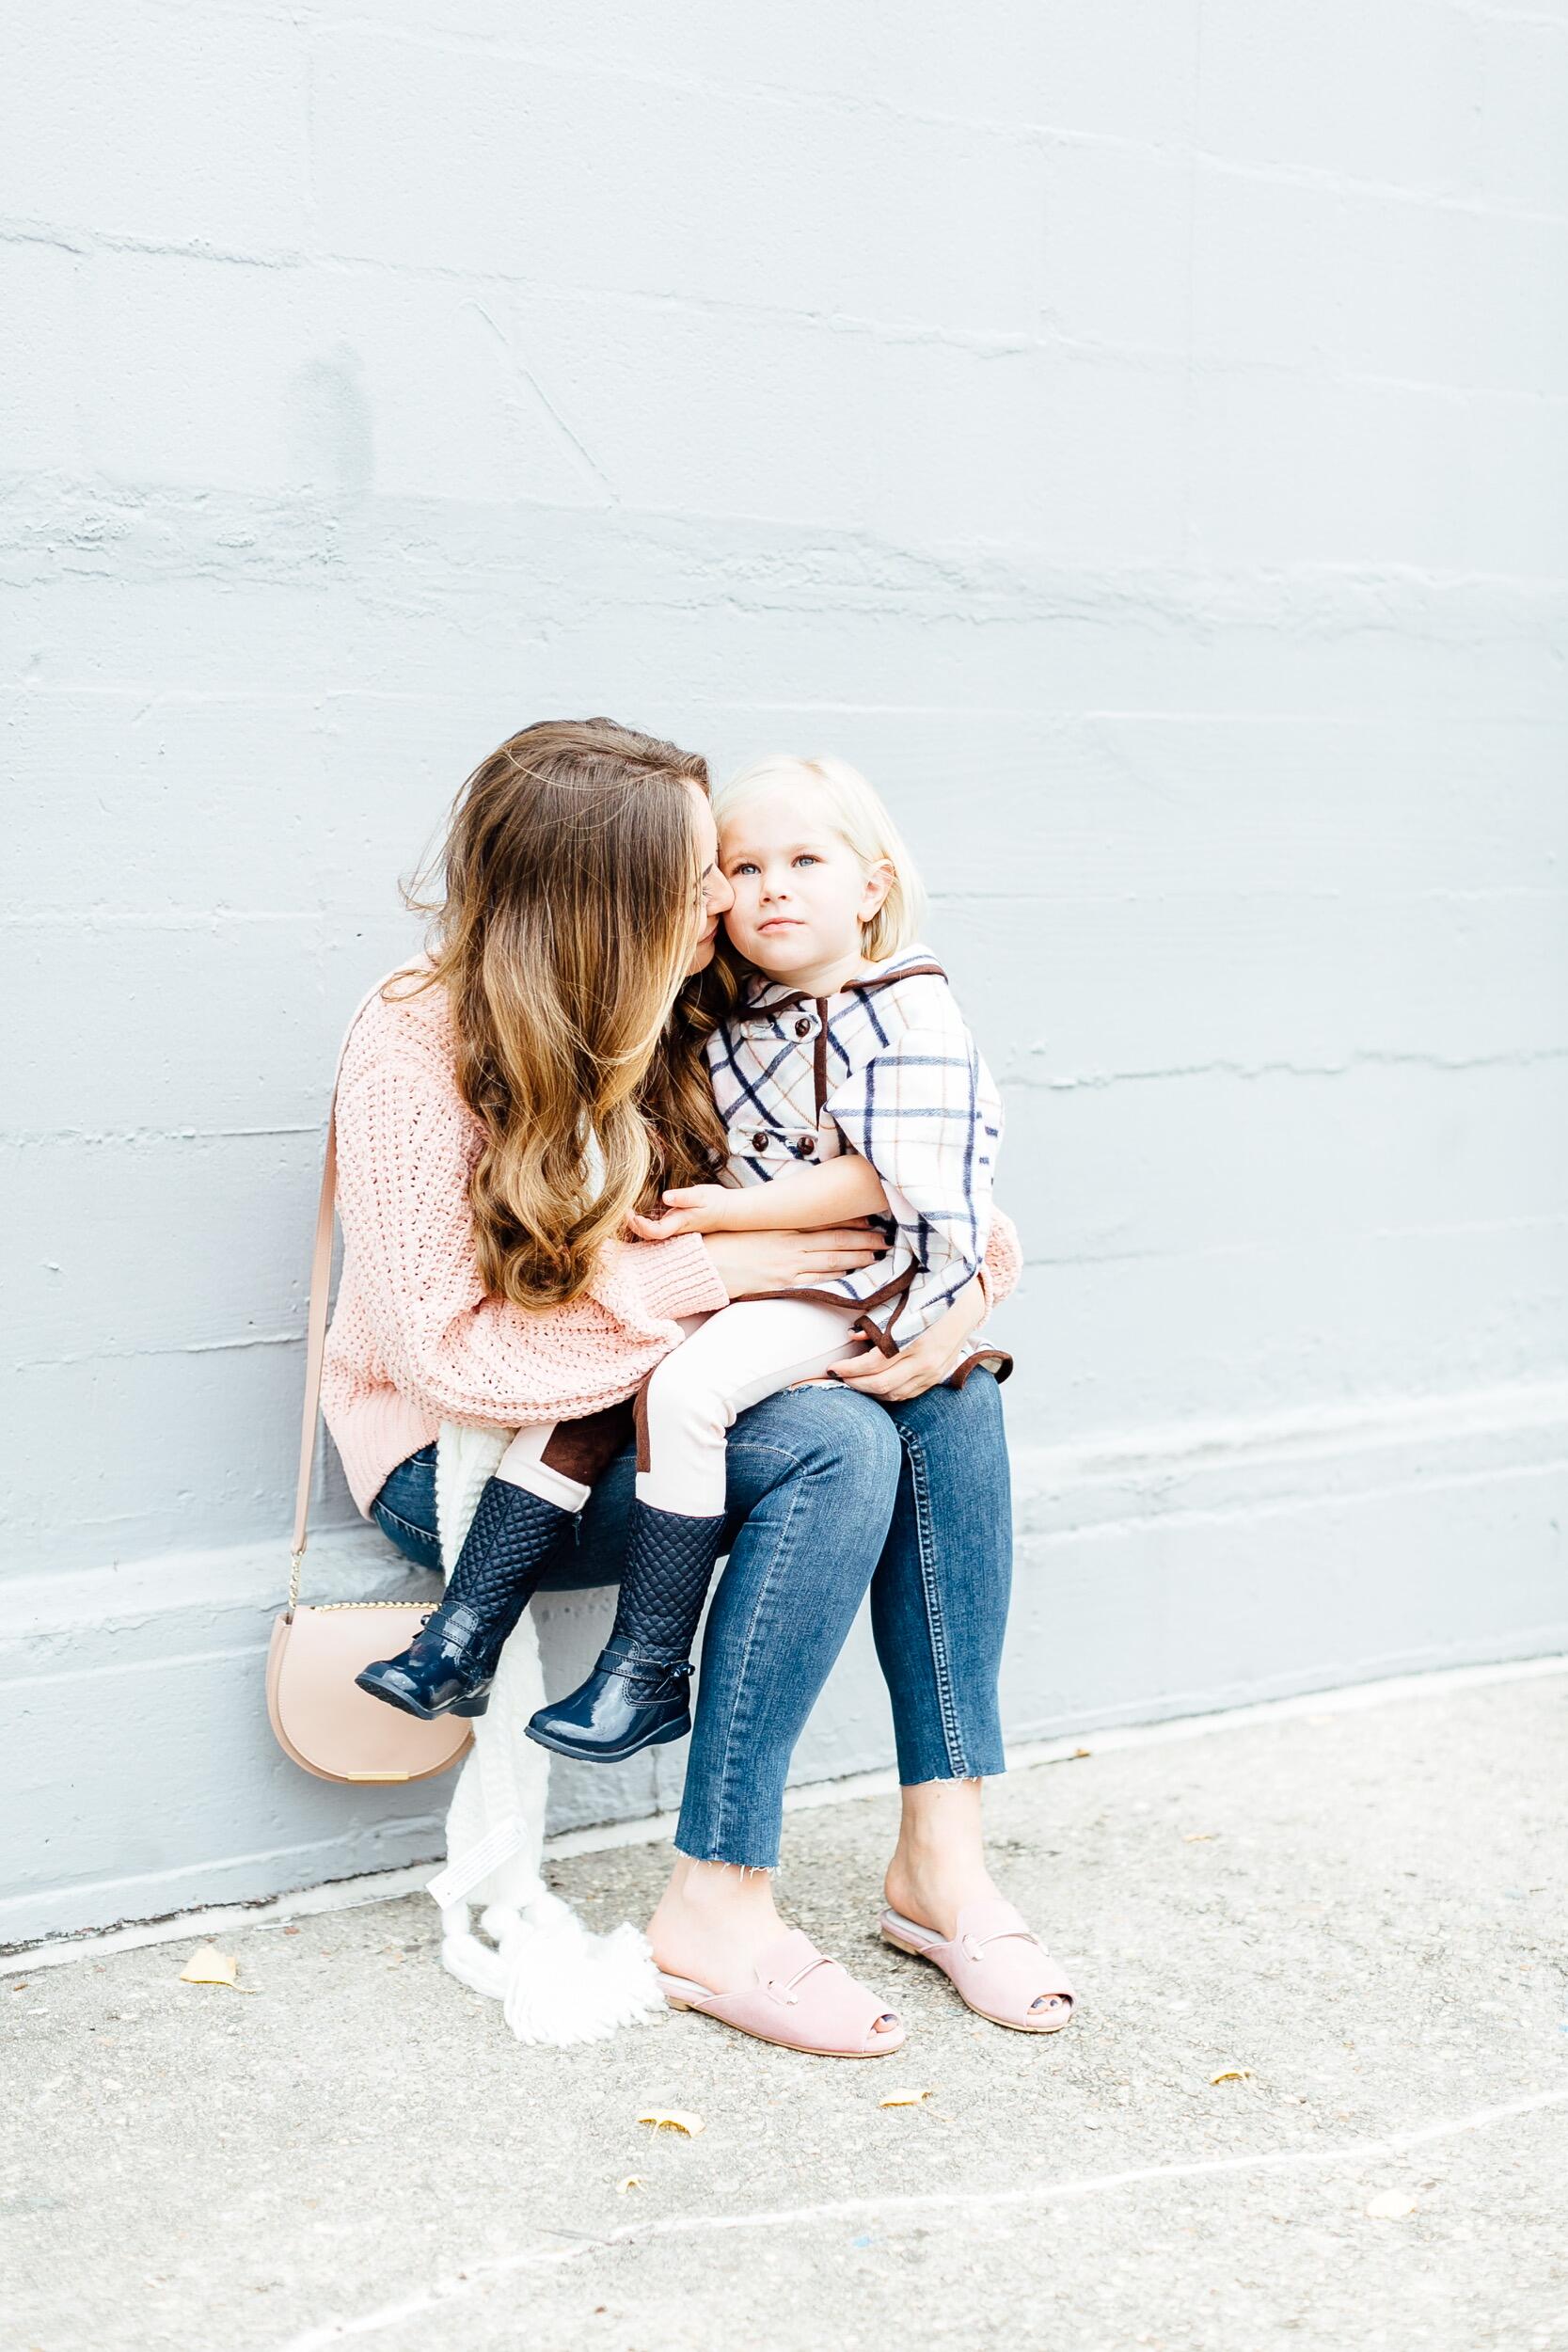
x=450 y=1664
x=636 y=1695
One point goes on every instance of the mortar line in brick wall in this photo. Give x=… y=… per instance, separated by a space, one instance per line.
x=853 y=106
x=157 y=1353
x=1368 y=1423
x=1263 y=1511
x=1257 y=893
x=93 y=1137
x=975 y=581
x=998 y=342
x=1329 y=182
x=1288 y=1246
x=1367 y=1058
x=203 y=919
x=99 y=918
x=1080 y=718
x=83 y=239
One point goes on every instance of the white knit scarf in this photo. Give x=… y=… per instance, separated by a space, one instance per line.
x=556 y=1981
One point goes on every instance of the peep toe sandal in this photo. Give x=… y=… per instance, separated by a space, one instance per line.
x=994 y=1962
x=800 y=1999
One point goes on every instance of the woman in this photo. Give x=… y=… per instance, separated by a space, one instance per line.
x=502 y=1114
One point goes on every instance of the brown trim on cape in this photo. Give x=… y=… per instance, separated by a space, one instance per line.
x=584 y=1449
x=860 y=988
x=895 y=1289
x=863 y=1327
x=995 y=1360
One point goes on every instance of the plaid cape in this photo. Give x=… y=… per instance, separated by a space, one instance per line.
x=886 y=1068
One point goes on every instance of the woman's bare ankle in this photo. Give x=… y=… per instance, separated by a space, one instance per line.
x=939 y=1864
x=712 y=1920
x=713 y=1923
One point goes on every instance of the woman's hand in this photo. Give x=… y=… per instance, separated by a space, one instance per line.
x=781 y=1259
x=926 y=1360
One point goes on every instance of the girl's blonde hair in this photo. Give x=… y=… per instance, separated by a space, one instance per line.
x=571 y=894
x=860 y=815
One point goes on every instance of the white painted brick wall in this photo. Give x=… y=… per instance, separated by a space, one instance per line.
x=1134 y=430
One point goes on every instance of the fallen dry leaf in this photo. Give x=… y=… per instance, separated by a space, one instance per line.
x=1200 y=1836
x=1232 y=2075
x=673 y=2120
x=907 y=2097
x=208 y=1965
x=1391 y=2206
x=633 y=2180
x=1078 y=1752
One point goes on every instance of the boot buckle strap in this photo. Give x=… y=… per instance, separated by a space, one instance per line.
x=651 y=1671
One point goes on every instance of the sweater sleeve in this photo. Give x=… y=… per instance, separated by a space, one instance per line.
x=403 y=1197
x=1003 y=1260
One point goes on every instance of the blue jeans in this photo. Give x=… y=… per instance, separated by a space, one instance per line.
x=828 y=1492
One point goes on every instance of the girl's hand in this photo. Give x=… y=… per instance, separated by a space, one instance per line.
x=835 y=1194
x=691 y=1209
x=925 y=1361
x=778 y=1260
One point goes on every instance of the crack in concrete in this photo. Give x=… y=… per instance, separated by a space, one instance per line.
x=480 y=2273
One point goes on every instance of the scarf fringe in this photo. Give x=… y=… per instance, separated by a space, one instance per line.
x=558 y=1983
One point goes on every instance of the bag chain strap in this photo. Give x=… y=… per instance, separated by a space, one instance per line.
x=315 y=1350
x=315 y=1326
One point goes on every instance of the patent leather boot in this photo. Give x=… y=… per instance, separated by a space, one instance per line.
x=637 y=1695
x=451 y=1662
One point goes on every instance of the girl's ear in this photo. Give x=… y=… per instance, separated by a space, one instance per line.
x=880 y=875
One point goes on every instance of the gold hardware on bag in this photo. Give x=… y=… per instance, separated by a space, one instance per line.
x=319 y=1605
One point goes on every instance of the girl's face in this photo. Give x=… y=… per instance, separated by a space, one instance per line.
x=716 y=892
x=800 y=893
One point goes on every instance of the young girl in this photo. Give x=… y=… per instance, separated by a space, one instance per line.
x=849 y=1086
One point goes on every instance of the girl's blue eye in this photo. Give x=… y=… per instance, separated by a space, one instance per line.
x=806 y=858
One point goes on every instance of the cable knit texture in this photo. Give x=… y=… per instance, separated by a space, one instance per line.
x=415 y=1338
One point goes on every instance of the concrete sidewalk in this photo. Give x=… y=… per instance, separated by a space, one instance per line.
x=1364 y=1911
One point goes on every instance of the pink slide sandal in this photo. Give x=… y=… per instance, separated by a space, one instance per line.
x=800 y=1999
x=996 y=1964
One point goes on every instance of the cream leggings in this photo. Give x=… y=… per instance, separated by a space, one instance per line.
x=726 y=1362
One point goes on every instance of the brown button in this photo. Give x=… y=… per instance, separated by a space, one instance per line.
x=805 y=1147
x=802 y=1028
x=759 y=1143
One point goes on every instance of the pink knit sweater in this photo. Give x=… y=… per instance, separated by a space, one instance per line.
x=415 y=1338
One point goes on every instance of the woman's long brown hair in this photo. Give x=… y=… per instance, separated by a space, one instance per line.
x=573 y=894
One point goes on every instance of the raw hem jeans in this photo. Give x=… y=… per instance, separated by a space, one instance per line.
x=828 y=1492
